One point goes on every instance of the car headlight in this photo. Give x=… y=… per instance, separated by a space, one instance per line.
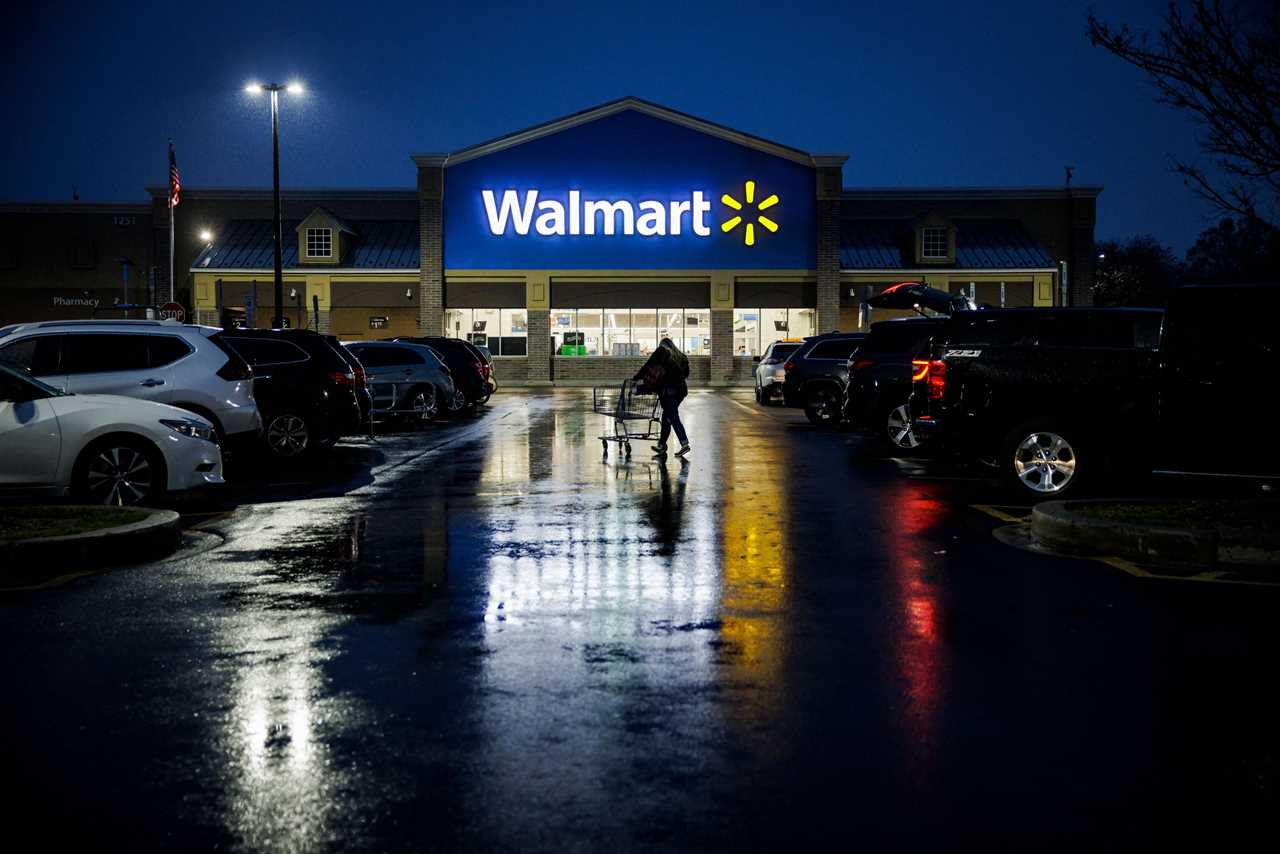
x=189 y=427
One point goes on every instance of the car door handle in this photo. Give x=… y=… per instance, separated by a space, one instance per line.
x=151 y=383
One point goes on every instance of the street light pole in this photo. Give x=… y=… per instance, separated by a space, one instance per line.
x=277 y=319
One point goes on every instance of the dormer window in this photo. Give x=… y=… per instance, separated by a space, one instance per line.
x=935 y=239
x=319 y=242
x=934 y=244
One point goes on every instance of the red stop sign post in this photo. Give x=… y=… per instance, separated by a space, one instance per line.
x=173 y=311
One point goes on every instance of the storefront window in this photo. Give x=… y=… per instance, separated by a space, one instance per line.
x=644 y=330
x=505 y=331
x=754 y=329
x=589 y=328
x=564 y=323
x=617 y=333
x=457 y=322
x=671 y=324
x=746 y=332
x=629 y=332
x=697 y=332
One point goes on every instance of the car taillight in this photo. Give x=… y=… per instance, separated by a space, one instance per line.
x=362 y=380
x=236 y=369
x=339 y=378
x=859 y=364
x=788 y=366
x=937 y=379
x=919 y=369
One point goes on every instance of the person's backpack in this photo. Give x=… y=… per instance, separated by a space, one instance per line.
x=682 y=361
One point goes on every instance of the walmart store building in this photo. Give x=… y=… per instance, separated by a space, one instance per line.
x=572 y=247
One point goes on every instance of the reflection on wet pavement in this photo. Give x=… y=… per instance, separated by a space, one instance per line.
x=503 y=641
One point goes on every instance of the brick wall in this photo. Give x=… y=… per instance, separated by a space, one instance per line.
x=431 y=244
x=721 y=367
x=829 y=179
x=609 y=370
x=539 y=361
x=510 y=371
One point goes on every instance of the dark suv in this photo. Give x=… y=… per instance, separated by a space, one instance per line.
x=1046 y=394
x=817 y=373
x=309 y=395
x=880 y=377
x=471 y=373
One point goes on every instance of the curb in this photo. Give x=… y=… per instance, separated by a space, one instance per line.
x=1057 y=524
x=157 y=536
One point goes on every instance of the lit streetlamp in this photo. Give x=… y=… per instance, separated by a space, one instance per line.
x=275 y=88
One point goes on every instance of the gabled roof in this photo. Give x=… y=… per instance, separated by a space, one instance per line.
x=247 y=244
x=981 y=244
x=638 y=105
x=326 y=214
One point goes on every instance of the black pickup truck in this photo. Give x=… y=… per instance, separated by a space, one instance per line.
x=1054 y=397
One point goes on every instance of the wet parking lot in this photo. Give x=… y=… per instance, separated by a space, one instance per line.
x=481 y=635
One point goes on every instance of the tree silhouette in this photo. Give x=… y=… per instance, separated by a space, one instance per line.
x=1219 y=62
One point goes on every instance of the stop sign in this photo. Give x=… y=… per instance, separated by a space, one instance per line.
x=173 y=311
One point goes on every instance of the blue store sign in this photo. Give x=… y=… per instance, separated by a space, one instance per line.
x=629 y=191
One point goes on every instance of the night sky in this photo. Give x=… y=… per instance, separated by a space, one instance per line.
x=926 y=93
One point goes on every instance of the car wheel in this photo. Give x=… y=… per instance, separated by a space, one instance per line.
x=458 y=402
x=421 y=405
x=119 y=472
x=1039 y=460
x=759 y=395
x=822 y=406
x=899 y=430
x=288 y=435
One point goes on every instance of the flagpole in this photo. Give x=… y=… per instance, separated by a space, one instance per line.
x=170 y=224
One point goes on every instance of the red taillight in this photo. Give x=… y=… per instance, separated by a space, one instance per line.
x=937 y=379
x=236 y=369
x=338 y=378
x=788 y=366
x=361 y=379
x=919 y=369
x=859 y=364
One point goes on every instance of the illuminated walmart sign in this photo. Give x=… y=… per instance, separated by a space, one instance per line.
x=572 y=215
x=629 y=191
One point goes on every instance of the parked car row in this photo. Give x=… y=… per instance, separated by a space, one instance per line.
x=1053 y=397
x=120 y=411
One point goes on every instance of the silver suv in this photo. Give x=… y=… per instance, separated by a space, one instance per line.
x=407 y=380
x=162 y=361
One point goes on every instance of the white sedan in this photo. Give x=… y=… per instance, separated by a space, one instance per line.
x=100 y=448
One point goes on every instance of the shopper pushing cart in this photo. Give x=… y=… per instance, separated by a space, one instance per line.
x=665 y=373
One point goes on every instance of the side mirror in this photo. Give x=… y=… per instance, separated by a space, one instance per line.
x=755 y=358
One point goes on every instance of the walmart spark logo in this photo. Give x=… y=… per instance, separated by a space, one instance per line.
x=749 y=233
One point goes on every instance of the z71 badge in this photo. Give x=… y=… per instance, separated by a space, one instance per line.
x=962 y=354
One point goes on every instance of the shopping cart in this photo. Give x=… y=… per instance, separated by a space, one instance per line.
x=629 y=408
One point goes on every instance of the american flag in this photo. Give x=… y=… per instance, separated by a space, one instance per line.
x=175 y=183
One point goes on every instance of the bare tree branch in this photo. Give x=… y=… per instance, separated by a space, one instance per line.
x=1220 y=63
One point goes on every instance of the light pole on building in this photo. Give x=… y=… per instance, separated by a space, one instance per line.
x=277 y=319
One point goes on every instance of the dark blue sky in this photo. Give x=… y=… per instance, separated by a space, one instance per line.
x=926 y=93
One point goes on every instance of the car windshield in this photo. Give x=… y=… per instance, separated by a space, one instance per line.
x=10 y=367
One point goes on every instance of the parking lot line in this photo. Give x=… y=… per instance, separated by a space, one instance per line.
x=996 y=511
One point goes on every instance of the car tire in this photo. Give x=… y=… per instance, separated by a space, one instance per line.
x=822 y=405
x=1038 y=460
x=119 y=471
x=898 y=429
x=289 y=436
x=458 y=402
x=760 y=398
x=421 y=404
